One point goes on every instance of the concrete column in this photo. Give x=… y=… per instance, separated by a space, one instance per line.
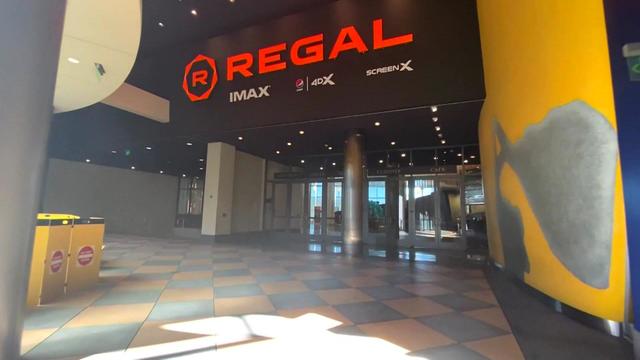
x=30 y=35
x=392 y=218
x=354 y=174
x=218 y=189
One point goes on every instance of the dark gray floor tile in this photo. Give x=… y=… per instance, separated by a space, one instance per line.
x=398 y=279
x=459 y=286
x=84 y=341
x=233 y=272
x=460 y=302
x=296 y=300
x=386 y=293
x=454 y=352
x=189 y=284
x=129 y=297
x=461 y=328
x=237 y=291
x=161 y=262
x=368 y=312
x=182 y=310
x=48 y=318
x=325 y=284
x=264 y=279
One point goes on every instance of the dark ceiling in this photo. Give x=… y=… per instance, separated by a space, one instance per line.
x=108 y=136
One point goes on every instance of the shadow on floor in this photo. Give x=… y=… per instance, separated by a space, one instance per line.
x=545 y=334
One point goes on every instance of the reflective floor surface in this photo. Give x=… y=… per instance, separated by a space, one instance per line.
x=169 y=299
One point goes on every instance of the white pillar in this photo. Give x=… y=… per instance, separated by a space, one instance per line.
x=218 y=189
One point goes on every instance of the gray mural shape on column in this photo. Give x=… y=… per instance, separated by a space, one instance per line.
x=567 y=167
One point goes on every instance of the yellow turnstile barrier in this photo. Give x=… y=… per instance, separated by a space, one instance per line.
x=85 y=254
x=49 y=259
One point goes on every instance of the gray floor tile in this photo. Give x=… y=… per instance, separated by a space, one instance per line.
x=237 y=291
x=161 y=276
x=348 y=330
x=192 y=268
x=454 y=352
x=459 y=286
x=387 y=293
x=398 y=279
x=83 y=341
x=161 y=262
x=129 y=297
x=48 y=318
x=198 y=255
x=461 y=328
x=182 y=310
x=325 y=284
x=460 y=302
x=264 y=279
x=296 y=300
x=362 y=313
x=189 y=284
x=233 y=272
x=229 y=260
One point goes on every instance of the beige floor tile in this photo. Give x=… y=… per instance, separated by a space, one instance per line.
x=153 y=333
x=269 y=271
x=313 y=275
x=156 y=269
x=492 y=316
x=497 y=348
x=140 y=285
x=110 y=315
x=408 y=334
x=425 y=289
x=326 y=311
x=483 y=295
x=173 y=295
x=287 y=263
x=194 y=275
x=363 y=281
x=119 y=263
x=343 y=296
x=233 y=280
x=415 y=307
x=229 y=266
x=243 y=306
x=79 y=299
x=167 y=257
x=284 y=287
x=31 y=338
x=192 y=262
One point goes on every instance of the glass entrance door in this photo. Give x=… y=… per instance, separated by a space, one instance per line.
x=431 y=213
x=315 y=209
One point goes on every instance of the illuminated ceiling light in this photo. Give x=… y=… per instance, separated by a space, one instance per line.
x=435 y=119
x=333 y=164
x=194 y=12
x=321 y=168
x=459 y=155
x=301 y=132
x=114 y=151
x=443 y=141
x=184 y=175
x=330 y=147
x=440 y=136
x=73 y=60
x=161 y=24
x=201 y=160
x=326 y=145
x=201 y=169
x=466 y=161
x=403 y=155
x=438 y=128
x=189 y=144
x=133 y=168
x=377 y=123
x=301 y=161
x=393 y=143
x=434 y=109
x=472 y=156
x=161 y=171
x=381 y=161
x=411 y=164
x=278 y=152
x=147 y=148
x=240 y=138
x=87 y=160
x=232 y=1
x=435 y=158
x=289 y=144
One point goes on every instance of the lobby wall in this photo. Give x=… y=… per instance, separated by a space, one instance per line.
x=132 y=202
x=555 y=210
x=248 y=193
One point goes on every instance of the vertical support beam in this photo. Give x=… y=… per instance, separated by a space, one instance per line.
x=392 y=218
x=30 y=35
x=325 y=211
x=353 y=193
x=218 y=189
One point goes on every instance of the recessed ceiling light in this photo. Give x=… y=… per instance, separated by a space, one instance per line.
x=201 y=160
x=330 y=148
x=148 y=147
x=443 y=141
x=201 y=169
x=197 y=177
x=393 y=143
x=459 y=155
x=189 y=144
x=232 y=1
x=161 y=171
x=466 y=161
x=381 y=161
x=114 y=151
x=333 y=164
x=435 y=158
x=403 y=155
x=377 y=123
x=88 y=160
x=438 y=128
x=301 y=161
x=326 y=145
x=184 y=175
x=301 y=132
x=435 y=119
x=321 y=168
x=73 y=60
x=161 y=24
x=440 y=136
x=194 y=12
x=240 y=138
x=278 y=152
x=133 y=168
x=434 y=109
x=472 y=156
x=289 y=144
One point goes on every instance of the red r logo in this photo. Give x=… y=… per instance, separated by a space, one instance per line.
x=200 y=77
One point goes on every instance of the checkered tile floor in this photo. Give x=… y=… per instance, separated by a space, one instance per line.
x=161 y=299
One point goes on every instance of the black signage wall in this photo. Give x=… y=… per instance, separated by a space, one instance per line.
x=442 y=64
